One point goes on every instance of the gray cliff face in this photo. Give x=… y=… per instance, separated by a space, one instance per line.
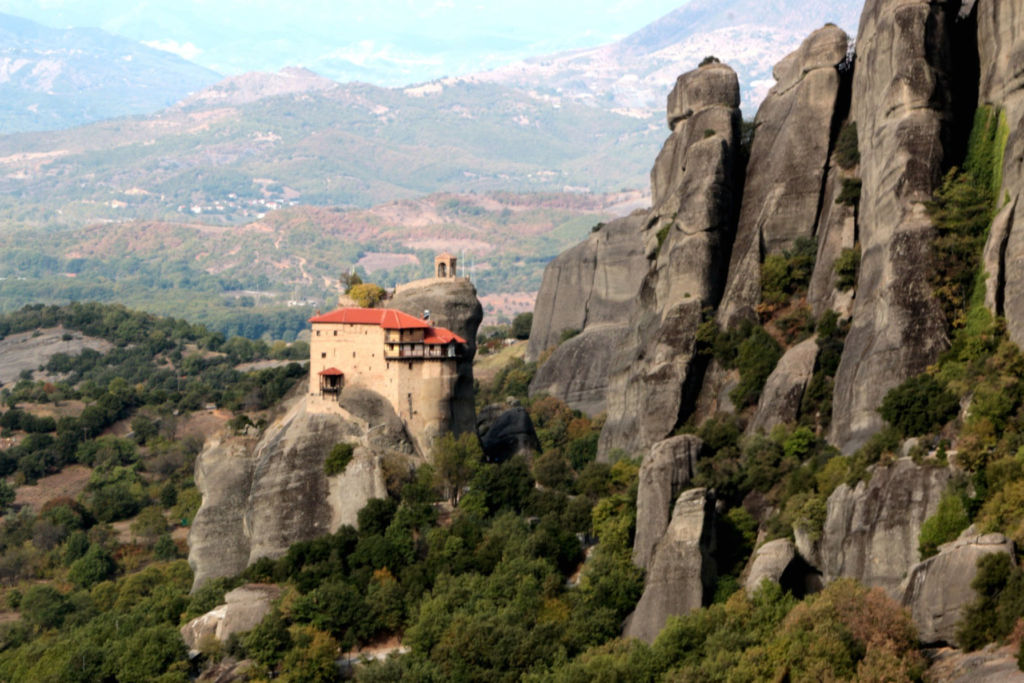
x=837 y=230
x=454 y=306
x=1001 y=52
x=510 y=434
x=788 y=162
x=871 y=531
x=592 y=287
x=666 y=469
x=594 y=283
x=654 y=377
x=681 y=574
x=938 y=589
x=901 y=103
x=259 y=498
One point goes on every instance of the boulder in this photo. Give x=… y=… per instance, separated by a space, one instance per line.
x=784 y=391
x=261 y=497
x=902 y=103
x=511 y=434
x=712 y=85
x=936 y=590
x=871 y=530
x=453 y=305
x=666 y=469
x=243 y=610
x=785 y=179
x=681 y=575
x=779 y=562
x=656 y=375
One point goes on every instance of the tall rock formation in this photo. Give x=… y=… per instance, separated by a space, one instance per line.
x=687 y=235
x=591 y=287
x=666 y=469
x=681 y=575
x=902 y=106
x=259 y=497
x=453 y=305
x=782 y=197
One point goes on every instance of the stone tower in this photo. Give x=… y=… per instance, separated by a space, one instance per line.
x=445 y=266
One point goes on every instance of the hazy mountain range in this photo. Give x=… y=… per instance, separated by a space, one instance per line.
x=55 y=78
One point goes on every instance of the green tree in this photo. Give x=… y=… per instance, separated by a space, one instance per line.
x=148 y=653
x=367 y=295
x=92 y=568
x=150 y=524
x=919 y=405
x=945 y=525
x=6 y=497
x=44 y=607
x=165 y=549
x=521 y=325
x=268 y=642
x=455 y=462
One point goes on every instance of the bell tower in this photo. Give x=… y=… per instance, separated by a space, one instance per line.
x=445 y=266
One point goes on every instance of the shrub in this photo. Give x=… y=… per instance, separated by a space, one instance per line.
x=944 y=526
x=149 y=652
x=919 y=405
x=710 y=59
x=847 y=146
x=552 y=471
x=455 y=461
x=568 y=334
x=849 y=195
x=7 y=496
x=756 y=358
x=165 y=549
x=846 y=268
x=338 y=459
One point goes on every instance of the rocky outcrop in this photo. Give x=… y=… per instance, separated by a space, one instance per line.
x=681 y=575
x=788 y=162
x=655 y=378
x=578 y=370
x=510 y=434
x=902 y=107
x=937 y=590
x=243 y=610
x=779 y=562
x=261 y=497
x=666 y=469
x=593 y=284
x=784 y=390
x=453 y=305
x=871 y=530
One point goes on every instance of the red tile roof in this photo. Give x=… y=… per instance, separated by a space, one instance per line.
x=387 y=318
x=332 y=372
x=439 y=335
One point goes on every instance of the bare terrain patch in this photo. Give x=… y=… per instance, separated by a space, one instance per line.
x=507 y=305
x=29 y=350
x=67 y=483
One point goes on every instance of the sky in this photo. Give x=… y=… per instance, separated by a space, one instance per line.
x=387 y=42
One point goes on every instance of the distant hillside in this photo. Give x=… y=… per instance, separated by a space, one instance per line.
x=638 y=71
x=222 y=159
x=57 y=78
x=220 y=275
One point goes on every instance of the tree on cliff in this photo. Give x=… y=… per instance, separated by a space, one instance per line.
x=455 y=462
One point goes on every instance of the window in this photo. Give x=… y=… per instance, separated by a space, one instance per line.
x=335 y=333
x=318 y=333
x=410 y=367
x=353 y=354
x=323 y=355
